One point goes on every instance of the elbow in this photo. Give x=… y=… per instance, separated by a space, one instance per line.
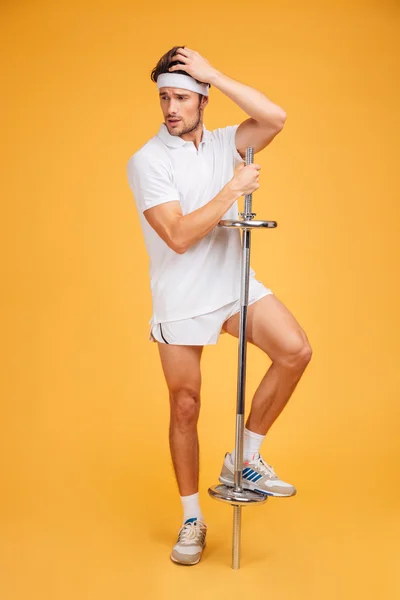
x=277 y=121
x=274 y=122
x=177 y=247
x=176 y=239
x=180 y=249
x=280 y=120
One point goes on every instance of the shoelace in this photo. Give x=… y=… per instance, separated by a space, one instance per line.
x=263 y=466
x=192 y=532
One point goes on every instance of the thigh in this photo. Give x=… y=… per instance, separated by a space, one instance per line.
x=271 y=327
x=181 y=366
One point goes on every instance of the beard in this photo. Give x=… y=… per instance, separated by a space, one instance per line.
x=188 y=128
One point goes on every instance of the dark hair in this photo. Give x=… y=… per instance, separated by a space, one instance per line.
x=165 y=62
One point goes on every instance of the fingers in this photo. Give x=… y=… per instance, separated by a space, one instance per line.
x=183 y=59
x=179 y=56
x=184 y=50
x=253 y=166
x=182 y=64
x=181 y=53
x=178 y=68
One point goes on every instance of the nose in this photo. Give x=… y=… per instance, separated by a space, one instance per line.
x=172 y=108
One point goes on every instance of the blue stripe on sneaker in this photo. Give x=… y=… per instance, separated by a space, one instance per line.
x=257 y=478
x=246 y=470
x=263 y=492
x=190 y=520
x=254 y=476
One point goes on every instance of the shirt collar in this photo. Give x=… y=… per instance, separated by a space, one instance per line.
x=174 y=141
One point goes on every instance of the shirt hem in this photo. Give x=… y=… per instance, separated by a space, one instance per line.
x=190 y=314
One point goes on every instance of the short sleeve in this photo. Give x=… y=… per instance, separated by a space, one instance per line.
x=231 y=135
x=150 y=182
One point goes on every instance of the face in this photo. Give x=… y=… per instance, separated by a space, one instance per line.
x=181 y=109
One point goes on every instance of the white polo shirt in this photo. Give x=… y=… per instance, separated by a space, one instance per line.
x=207 y=275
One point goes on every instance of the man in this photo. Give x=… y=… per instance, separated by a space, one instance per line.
x=185 y=180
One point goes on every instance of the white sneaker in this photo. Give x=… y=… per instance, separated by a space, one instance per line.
x=191 y=542
x=258 y=475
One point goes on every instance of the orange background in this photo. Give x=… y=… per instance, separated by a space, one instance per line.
x=89 y=507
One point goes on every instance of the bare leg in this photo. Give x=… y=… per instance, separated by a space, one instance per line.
x=273 y=329
x=181 y=366
x=272 y=395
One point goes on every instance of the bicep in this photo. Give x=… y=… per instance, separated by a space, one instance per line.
x=163 y=219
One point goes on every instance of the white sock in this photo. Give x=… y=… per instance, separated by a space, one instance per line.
x=191 y=507
x=251 y=444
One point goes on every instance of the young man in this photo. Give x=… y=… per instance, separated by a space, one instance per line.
x=186 y=179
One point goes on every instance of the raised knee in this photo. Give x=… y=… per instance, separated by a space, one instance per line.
x=305 y=354
x=185 y=404
x=298 y=357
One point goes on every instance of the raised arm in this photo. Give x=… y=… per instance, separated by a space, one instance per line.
x=266 y=118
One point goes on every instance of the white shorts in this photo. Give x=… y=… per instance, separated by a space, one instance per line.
x=204 y=329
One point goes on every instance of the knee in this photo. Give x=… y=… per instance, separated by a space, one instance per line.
x=305 y=354
x=298 y=356
x=185 y=405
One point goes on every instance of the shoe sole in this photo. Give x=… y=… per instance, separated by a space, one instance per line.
x=188 y=564
x=249 y=486
x=177 y=562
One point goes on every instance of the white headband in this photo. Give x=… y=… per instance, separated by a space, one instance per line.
x=184 y=82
